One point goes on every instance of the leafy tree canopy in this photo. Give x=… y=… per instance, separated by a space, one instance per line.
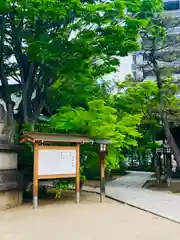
x=43 y=40
x=100 y=121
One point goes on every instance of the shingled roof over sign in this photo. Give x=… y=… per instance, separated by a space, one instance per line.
x=58 y=138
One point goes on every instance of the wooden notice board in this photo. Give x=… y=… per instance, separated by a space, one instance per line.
x=53 y=162
x=56 y=161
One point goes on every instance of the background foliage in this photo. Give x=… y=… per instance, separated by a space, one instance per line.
x=58 y=53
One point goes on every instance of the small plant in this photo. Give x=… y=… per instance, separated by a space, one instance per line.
x=82 y=176
x=62 y=185
x=82 y=180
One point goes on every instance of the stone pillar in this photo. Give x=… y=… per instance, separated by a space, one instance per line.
x=10 y=178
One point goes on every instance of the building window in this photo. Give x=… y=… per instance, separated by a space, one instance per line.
x=146 y=57
x=171 y=5
x=134 y=59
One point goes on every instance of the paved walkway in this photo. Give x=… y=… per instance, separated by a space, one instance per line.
x=128 y=189
x=89 y=220
x=132 y=180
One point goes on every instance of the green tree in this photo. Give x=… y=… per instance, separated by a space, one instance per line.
x=100 y=121
x=74 y=93
x=134 y=97
x=160 y=49
x=142 y=97
x=42 y=41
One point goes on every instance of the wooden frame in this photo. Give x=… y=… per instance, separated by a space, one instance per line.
x=102 y=176
x=78 y=173
x=56 y=176
x=35 y=178
x=38 y=139
x=58 y=147
x=37 y=148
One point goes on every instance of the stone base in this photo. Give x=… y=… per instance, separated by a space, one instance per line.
x=10 y=199
x=175 y=185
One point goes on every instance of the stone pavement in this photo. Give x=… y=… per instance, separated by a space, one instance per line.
x=128 y=189
x=89 y=220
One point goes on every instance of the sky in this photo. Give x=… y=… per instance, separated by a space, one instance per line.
x=123 y=70
x=125 y=67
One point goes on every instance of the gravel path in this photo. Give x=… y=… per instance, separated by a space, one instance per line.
x=90 y=220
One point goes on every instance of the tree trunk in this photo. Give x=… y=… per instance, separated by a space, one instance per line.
x=10 y=117
x=24 y=107
x=153 y=159
x=164 y=118
x=157 y=168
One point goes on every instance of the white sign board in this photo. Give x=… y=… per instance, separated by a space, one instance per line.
x=55 y=161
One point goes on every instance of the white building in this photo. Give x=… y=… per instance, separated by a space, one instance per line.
x=172 y=8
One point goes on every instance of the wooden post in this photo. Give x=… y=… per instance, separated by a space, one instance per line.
x=169 y=168
x=102 y=181
x=35 y=180
x=78 y=173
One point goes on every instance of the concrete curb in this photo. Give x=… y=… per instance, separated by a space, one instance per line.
x=143 y=209
x=134 y=206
